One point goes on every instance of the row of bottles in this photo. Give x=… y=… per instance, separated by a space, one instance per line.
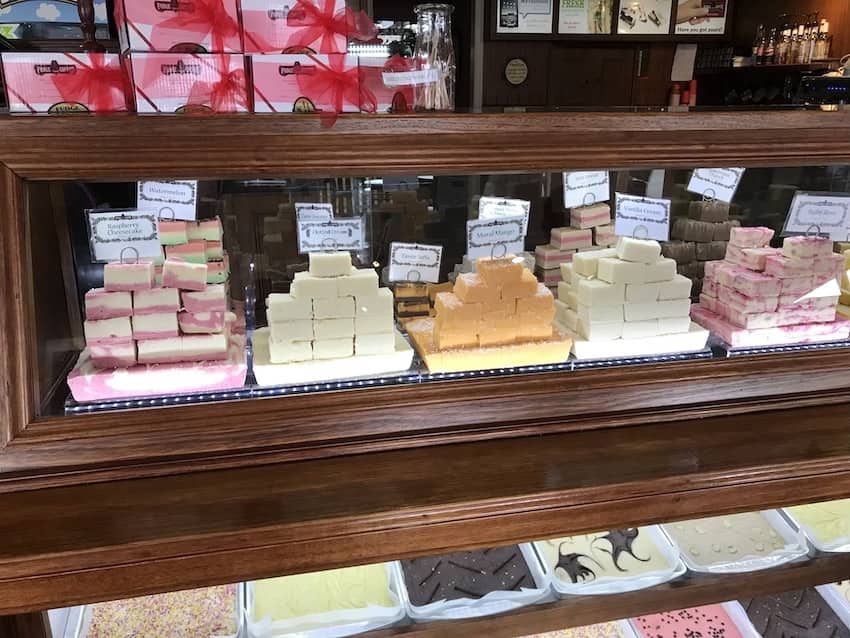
x=793 y=41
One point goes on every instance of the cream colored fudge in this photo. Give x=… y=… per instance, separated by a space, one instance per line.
x=285 y=307
x=642 y=251
x=359 y=283
x=290 y=351
x=333 y=348
x=160 y=325
x=307 y=286
x=108 y=331
x=293 y=330
x=325 y=329
x=334 y=264
x=370 y=344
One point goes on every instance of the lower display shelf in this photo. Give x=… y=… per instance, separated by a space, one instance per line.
x=691 y=591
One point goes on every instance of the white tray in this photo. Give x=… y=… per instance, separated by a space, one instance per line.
x=834 y=599
x=795 y=548
x=275 y=374
x=692 y=341
x=332 y=624
x=496 y=602
x=841 y=544
x=736 y=612
x=619 y=585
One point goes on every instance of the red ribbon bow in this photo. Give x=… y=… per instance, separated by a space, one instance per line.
x=226 y=94
x=94 y=85
x=332 y=83
x=208 y=18
x=323 y=25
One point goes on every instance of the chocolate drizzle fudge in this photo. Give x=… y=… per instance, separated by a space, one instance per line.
x=796 y=614
x=466 y=574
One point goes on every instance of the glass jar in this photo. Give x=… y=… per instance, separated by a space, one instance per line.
x=435 y=57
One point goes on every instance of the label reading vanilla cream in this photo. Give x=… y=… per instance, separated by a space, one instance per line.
x=642 y=217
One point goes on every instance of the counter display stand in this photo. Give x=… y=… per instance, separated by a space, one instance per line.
x=403 y=470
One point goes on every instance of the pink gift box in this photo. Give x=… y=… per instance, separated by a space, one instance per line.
x=186 y=82
x=185 y=26
x=383 y=87
x=306 y=84
x=65 y=82
x=296 y=26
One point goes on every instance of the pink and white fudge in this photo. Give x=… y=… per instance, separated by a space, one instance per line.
x=547 y=256
x=119 y=277
x=571 y=238
x=162 y=325
x=751 y=237
x=218 y=271
x=214 y=250
x=590 y=216
x=201 y=322
x=194 y=251
x=604 y=235
x=207 y=230
x=172 y=233
x=204 y=347
x=108 y=331
x=184 y=275
x=212 y=299
x=108 y=305
x=797 y=285
x=118 y=355
x=745 y=303
x=550 y=277
x=784 y=268
x=156 y=300
x=752 y=258
x=745 y=281
x=806 y=247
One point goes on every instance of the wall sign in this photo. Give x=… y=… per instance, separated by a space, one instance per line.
x=415 y=262
x=173 y=199
x=585 y=16
x=716 y=183
x=644 y=17
x=582 y=188
x=494 y=237
x=127 y=235
x=516 y=71
x=701 y=17
x=524 y=16
x=825 y=214
x=340 y=234
x=642 y=217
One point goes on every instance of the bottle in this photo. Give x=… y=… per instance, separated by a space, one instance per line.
x=758 y=44
x=794 y=49
x=782 y=48
x=435 y=57
x=770 y=49
x=824 y=41
x=675 y=94
x=813 y=39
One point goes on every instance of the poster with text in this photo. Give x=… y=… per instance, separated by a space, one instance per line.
x=524 y=16
x=585 y=16
x=701 y=17
x=644 y=17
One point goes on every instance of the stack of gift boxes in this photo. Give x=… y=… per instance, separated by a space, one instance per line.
x=500 y=304
x=590 y=229
x=132 y=319
x=761 y=296
x=190 y=56
x=699 y=238
x=333 y=311
x=627 y=292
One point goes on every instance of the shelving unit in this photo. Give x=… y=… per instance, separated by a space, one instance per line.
x=109 y=505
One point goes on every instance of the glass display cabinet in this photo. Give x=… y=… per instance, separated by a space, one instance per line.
x=404 y=336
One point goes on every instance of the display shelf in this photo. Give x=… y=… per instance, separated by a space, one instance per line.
x=820 y=65
x=85 y=543
x=690 y=591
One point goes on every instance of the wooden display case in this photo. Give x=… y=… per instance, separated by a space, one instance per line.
x=119 y=504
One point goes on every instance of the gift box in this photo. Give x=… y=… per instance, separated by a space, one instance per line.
x=179 y=26
x=64 y=82
x=385 y=85
x=306 y=83
x=302 y=26
x=186 y=82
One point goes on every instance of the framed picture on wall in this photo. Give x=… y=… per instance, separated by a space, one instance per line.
x=585 y=16
x=524 y=16
x=702 y=17
x=644 y=17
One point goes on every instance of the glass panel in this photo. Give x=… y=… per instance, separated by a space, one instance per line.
x=306 y=322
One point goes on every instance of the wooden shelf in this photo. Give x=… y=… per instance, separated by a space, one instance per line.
x=691 y=591
x=768 y=68
x=86 y=543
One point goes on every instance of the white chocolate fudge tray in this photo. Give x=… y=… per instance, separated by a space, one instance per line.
x=91 y=384
x=330 y=624
x=691 y=342
x=270 y=374
x=610 y=562
x=826 y=526
x=737 y=543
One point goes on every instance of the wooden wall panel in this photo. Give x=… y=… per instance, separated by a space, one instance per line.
x=592 y=76
x=534 y=91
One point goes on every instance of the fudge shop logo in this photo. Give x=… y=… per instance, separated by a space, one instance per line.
x=67 y=107
x=279 y=13
x=54 y=68
x=180 y=68
x=285 y=70
x=174 y=6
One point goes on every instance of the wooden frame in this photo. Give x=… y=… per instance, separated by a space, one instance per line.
x=61 y=450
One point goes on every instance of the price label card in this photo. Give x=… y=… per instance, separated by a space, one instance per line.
x=174 y=199
x=415 y=262
x=716 y=183
x=339 y=234
x=826 y=214
x=582 y=188
x=642 y=217
x=127 y=234
x=313 y=212
x=494 y=237
x=499 y=208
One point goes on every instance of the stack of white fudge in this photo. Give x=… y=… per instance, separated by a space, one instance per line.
x=590 y=229
x=331 y=312
x=134 y=320
x=627 y=292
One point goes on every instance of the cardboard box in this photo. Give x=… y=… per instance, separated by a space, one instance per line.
x=306 y=83
x=383 y=84
x=295 y=26
x=65 y=82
